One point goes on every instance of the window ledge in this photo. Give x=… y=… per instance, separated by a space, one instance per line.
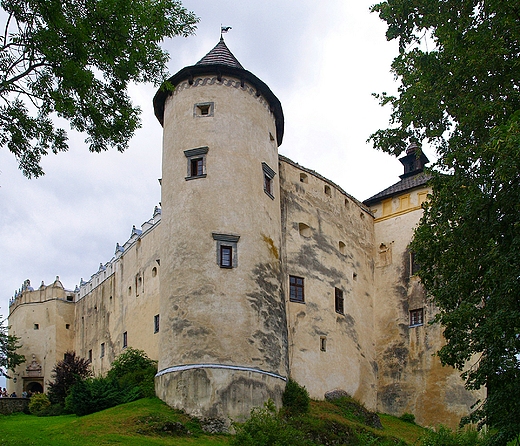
x=195 y=177
x=269 y=195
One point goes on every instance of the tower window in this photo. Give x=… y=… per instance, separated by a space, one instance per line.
x=416 y=317
x=268 y=180
x=226 y=250
x=338 y=301
x=125 y=339
x=296 y=289
x=36 y=326
x=90 y=356
x=327 y=190
x=303 y=178
x=203 y=109
x=156 y=323
x=414 y=266
x=323 y=343
x=196 y=167
x=102 y=350
x=226 y=256
x=196 y=162
x=304 y=230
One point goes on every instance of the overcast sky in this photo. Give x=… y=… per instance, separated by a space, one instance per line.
x=322 y=59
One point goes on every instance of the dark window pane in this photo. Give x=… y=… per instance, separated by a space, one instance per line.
x=226 y=255
x=197 y=167
x=296 y=289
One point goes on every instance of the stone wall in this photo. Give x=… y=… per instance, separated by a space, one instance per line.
x=13 y=405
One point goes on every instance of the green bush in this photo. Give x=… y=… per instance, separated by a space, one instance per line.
x=408 y=418
x=266 y=427
x=295 y=398
x=38 y=403
x=133 y=368
x=444 y=436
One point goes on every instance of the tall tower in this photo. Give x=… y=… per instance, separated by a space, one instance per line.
x=223 y=339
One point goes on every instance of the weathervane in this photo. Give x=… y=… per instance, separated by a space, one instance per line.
x=224 y=29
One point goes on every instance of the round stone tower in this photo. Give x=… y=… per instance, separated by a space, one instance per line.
x=223 y=332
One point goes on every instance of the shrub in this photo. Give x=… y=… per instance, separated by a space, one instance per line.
x=444 y=436
x=295 y=398
x=133 y=368
x=95 y=394
x=266 y=427
x=408 y=418
x=38 y=403
x=66 y=373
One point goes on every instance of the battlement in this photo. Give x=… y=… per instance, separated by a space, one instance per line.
x=28 y=295
x=109 y=268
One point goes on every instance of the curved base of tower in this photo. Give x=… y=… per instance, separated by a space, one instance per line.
x=214 y=391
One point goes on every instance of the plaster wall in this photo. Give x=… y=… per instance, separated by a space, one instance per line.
x=43 y=319
x=217 y=316
x=125 y=301
x=411 y=378
x=328 y=239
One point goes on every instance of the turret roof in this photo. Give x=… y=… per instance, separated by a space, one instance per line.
x=220 y=55
x=220 y=62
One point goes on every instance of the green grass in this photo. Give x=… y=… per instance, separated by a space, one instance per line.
x=142 y=423
x=136 y=423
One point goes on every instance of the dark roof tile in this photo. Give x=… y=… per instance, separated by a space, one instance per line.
x=405 y=184
x=220 y=55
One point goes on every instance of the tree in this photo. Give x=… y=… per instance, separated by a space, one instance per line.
x=67 y=372
x=75 y=59
x=9 y=359
x=134 y=369
x=458 y=65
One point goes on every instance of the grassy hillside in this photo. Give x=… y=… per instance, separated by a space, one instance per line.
x=151 y=422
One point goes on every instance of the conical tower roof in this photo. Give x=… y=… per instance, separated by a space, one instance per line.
x=220 y=55
x=221 y=62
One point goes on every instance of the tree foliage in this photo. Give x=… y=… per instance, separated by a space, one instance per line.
x=75 y=59
x=133 y=368
x=67 y=372
x=459 y=67
x=9 y=359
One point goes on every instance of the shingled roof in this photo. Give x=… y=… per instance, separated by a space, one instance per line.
x=405 y=184
x=220 y=55
x=220 y=62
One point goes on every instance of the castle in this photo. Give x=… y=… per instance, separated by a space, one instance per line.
x=254 y=269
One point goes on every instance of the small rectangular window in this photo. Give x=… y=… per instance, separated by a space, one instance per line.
x=227 y=248
x=203 y=109
x=414 y=266
x=226 y=256
x=323 y=344
x=296 y=289
x=268 y=185
x=125 y=339
x=196 y=162
x=338 y=301
x=36 y=326
x=197 y=167
x=102 y=350
x=268 y=180
x=156 y=323
x=416 y=317
x=90 y=356
x=67 y=326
